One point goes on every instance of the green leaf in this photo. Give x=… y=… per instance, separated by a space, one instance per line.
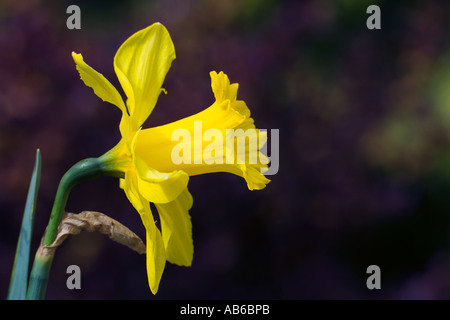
x=19 y=276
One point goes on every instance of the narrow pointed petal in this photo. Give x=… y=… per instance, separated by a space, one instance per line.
x=155 y=258
x=176 y=229
x=102 y=87
x=141 y=64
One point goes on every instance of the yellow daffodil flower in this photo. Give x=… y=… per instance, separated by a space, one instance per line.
x=144 y=155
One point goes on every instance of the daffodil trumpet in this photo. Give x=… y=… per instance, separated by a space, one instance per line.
x=145 y=159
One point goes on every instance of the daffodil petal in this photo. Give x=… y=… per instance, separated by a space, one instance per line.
x=101 y=86
x=126 y=129
x=141 y=64
x=176 y=228
x=155 y=258
x=159 y=187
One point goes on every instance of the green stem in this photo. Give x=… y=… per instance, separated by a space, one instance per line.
x=39 y=276
x=82 y=171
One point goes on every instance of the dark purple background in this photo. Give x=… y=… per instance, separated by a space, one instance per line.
x=364 y=120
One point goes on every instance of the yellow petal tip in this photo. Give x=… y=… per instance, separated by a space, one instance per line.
x=77 y=57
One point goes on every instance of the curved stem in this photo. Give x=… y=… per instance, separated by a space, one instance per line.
x=84 y=170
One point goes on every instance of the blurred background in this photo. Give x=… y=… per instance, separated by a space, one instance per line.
x=364 y=120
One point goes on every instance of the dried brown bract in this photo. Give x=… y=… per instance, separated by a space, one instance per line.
x=91 y=221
